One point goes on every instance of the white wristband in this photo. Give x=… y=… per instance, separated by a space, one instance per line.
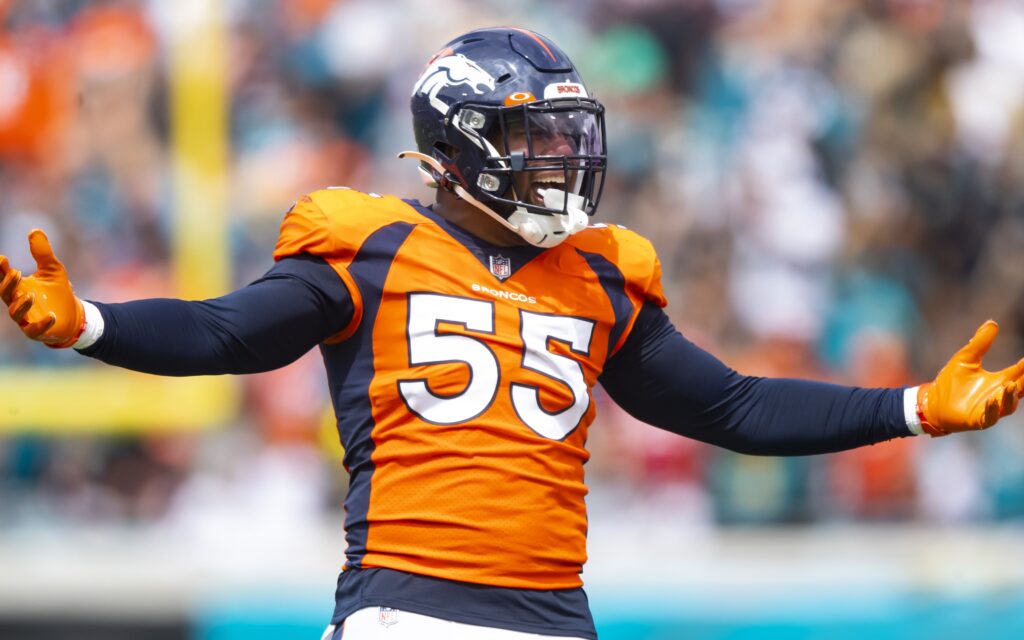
x=93 y=327
x=910 y=411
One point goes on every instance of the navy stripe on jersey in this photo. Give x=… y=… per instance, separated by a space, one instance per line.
x=556 y=612
x=614 y=285
x=350 y=370
x=518 y=255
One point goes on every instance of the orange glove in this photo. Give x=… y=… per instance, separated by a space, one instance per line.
x=965 y=397
x=44 y=305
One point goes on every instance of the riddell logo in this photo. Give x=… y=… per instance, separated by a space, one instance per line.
x=504 y=295
x=569 y=88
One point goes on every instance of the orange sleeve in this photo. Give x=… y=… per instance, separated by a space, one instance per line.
x=641 y=269
x=307 y=229
x=635 y=258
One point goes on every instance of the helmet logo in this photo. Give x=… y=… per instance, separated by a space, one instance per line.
x=565 y=90
x=451 y=71
x=519 y=97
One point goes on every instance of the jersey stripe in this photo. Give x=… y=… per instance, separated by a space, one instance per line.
x=614 y=285
x=350 y=370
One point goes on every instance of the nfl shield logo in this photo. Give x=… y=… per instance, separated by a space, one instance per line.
x=501 y=267
x=387 y=616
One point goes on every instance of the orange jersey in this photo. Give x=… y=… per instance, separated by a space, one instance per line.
x=462 y=385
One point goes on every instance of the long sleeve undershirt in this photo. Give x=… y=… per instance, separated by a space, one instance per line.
x=663 y=379
x=272 y=322
x=657 y=376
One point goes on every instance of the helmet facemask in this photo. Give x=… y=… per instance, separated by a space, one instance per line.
x=558 y=143
x=534 y=165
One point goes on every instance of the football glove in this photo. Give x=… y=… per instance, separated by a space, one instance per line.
x=43 y=304
x=965 y=397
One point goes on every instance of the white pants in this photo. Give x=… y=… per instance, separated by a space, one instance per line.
x=384 y=623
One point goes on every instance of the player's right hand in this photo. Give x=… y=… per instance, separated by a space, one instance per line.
x=43 y=305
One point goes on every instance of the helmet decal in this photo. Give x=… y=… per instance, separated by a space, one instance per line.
x=519 y=97
x=451 y=71
x=534 y=37
x=565 y=90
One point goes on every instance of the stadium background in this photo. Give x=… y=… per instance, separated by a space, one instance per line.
x=836 y=190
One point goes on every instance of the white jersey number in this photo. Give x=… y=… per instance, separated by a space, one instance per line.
x=426 y=346
x=536 y=329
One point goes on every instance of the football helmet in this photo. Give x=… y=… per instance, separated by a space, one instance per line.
x=503 y=119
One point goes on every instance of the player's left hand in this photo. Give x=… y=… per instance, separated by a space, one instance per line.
x=966 y=397
x=43 y=304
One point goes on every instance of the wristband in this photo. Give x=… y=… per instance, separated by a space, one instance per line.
x=911 y=413
x=93 y=327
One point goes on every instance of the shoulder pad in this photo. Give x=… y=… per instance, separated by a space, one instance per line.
x=334 y=222
x=631 y=253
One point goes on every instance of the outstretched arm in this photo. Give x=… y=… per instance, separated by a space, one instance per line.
x=296 y=305
x=663 y=379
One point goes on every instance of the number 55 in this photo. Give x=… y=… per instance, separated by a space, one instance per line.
x=428 y=346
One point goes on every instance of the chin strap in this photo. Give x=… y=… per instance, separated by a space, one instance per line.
x=540 y=230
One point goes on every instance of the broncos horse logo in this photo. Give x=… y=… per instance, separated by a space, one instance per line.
x=451 y=71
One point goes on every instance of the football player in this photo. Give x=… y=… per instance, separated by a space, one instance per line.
x=462 y=340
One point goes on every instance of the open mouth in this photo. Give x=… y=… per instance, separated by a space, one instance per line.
x=538 y=188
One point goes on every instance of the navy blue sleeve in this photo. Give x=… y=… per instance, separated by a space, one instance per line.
x=299 y=303
x=661 y=378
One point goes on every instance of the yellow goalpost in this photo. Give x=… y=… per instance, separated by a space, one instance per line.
x=105 y=399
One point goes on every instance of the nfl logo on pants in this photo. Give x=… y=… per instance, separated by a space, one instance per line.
x=387 y=616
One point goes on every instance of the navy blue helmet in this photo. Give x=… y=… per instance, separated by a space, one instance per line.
x=487 y=107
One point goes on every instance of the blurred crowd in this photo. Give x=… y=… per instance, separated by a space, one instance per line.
x=835 y=189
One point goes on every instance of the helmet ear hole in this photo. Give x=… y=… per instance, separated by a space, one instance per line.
x=447 y=151
x=445 y=154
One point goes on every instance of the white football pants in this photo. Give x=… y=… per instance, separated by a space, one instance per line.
x=385 y=623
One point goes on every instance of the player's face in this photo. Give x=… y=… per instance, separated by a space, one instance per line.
x=551 y=137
